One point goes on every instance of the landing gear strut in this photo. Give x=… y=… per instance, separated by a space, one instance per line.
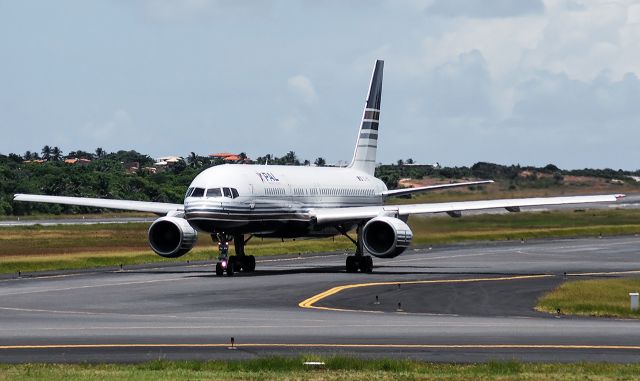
x=234 y=263
x=359 y=261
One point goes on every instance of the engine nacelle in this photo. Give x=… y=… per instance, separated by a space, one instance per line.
x=171 y=237
x=386 y=237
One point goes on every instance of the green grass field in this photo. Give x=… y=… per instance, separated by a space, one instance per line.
x=35 y=248
x=595 y=297
x=336 y=368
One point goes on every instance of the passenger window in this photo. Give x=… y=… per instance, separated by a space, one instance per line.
x=214 y=192
x=198 y=192
x=234 y=191
x=227 y=192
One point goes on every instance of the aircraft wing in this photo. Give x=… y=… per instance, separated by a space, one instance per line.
x=406 y=191
x=331 y=215
x=138 y=206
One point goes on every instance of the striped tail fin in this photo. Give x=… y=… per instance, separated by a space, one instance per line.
x=364 y=157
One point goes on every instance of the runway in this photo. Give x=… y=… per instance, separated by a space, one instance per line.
x=460 y=303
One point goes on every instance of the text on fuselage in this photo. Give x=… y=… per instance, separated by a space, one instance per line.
x=267 y=177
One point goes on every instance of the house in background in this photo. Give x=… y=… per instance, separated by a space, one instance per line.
x=163 y=163
x=230 y=157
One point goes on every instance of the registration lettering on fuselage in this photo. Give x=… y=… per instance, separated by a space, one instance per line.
x=267 y=177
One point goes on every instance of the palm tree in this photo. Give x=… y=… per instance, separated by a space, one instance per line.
x=290 y=158
x=56 y=154
x=193 y=160
x=46 y=152
x=99 y=152
x=27 y=155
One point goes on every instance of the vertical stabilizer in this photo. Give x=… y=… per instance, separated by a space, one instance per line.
x=364 y=157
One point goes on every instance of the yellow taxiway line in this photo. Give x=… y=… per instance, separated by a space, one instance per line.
x=328 y=345
x=310 y=302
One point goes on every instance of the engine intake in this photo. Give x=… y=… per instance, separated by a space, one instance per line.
x=171 y=237
x=386 y=237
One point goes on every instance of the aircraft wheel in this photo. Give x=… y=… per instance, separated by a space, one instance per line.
x=366 y=264
x=352 y=264
x=249 y=263
x=219 y=269
x=231 y=265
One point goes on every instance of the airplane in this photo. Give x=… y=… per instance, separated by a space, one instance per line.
x=235 y=202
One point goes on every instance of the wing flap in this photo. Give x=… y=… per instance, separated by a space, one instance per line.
x=330 y=215
x=138 y=206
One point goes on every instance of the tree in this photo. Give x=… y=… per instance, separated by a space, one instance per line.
x=290 y=158
x=193 y=160
x=320 y=162
x=46 y=152
x=27 y=155
x=56 y=154
x=100 y=153
x=400 y=163
x=409 y=161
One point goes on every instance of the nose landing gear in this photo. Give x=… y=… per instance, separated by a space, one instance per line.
x=234 y=263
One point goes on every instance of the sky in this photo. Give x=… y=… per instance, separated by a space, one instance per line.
x=527 y=82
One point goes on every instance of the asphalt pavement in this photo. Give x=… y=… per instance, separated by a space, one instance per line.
x=460 y=303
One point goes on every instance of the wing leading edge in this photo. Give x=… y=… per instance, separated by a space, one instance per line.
x=407 y=191
x=332 y=215
x=138 y=206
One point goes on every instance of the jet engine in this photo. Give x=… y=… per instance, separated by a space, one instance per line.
x=386 y=237
x=171 y=237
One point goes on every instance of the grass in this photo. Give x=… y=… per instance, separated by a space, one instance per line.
x=595 y=297
x=336 y=368
x=37 y=248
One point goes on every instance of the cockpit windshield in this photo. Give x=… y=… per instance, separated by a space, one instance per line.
x=212 y=192
x=198 y=192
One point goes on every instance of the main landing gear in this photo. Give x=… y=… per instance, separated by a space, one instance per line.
x=359 y=261
x=234 y=263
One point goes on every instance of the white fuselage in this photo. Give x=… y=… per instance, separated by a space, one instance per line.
x=274 y=200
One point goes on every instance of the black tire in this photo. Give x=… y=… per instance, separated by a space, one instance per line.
x=366 y=264
x=231 y=265
x=352 y=264
x=219 y=269
x=249 y=263
x=236 y=262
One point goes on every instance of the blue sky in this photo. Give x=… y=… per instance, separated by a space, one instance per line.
x=526 y=81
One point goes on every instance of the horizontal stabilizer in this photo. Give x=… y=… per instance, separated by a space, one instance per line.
x=138 y=206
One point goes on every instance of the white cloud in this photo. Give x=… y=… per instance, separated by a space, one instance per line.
x=302 y=88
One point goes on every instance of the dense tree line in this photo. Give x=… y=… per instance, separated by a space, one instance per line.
x=106 y=176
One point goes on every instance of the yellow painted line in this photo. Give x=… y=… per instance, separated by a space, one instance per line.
x=327 y=345
x=310 y=302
